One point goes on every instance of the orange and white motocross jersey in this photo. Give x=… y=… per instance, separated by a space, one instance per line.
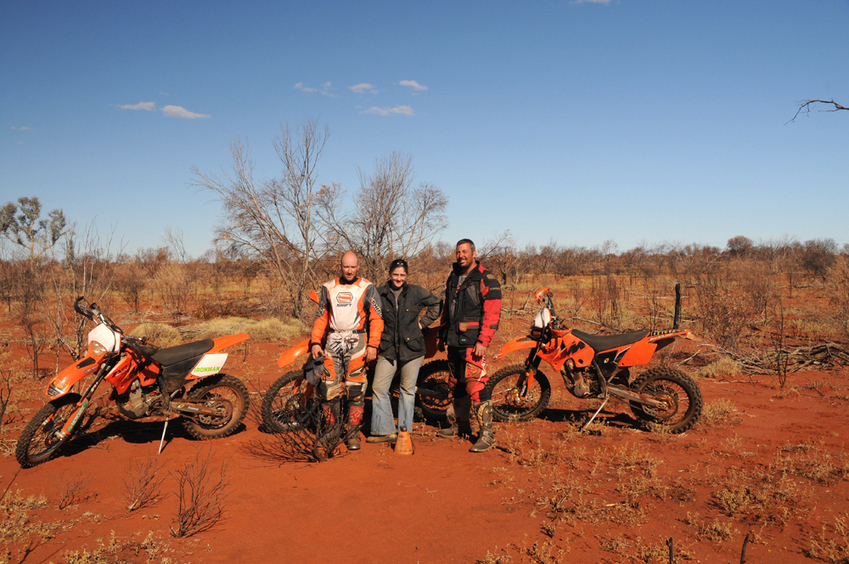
x=348 y=307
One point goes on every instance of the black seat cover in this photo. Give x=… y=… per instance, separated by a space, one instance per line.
x=173 y=355
x=601 y=343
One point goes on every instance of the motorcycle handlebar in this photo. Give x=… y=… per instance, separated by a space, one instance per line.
x=84 y=311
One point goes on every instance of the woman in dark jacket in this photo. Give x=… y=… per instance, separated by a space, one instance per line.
x=402 y=348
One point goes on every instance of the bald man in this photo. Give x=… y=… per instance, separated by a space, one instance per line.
x=347 y=328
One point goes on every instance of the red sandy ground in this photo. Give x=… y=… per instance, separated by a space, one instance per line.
x=444 y=504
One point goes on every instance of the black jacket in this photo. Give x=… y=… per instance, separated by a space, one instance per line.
x=402 y=339
x=477 y=309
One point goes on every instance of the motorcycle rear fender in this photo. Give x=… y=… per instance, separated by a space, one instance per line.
x=291 y=354
x=517 y=344
x=222 y=343
x=640 y=353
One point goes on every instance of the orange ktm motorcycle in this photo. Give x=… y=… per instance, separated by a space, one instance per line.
x=287 y=404
x=146 y=380
x=595 y=367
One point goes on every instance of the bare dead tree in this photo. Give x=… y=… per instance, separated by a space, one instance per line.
x=88 y=269
x=390 y=217
x=201 y=496
x=5 y=392
x=805 y=107
x=274 y=220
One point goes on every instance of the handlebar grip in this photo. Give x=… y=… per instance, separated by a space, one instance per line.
x=80 y=309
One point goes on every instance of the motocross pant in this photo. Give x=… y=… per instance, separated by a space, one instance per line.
x=344 y=364
x=468 y=374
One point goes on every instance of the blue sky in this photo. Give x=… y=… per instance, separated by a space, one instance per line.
x=634 y=121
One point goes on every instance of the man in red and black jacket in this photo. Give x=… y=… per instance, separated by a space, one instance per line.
x=470 y=320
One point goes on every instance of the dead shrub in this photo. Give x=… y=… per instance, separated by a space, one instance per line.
x=723 y=368
x=201 y=496
x=71 y=489
x=718 y=412
x=158 y=334
x=831 y=546
x=142 y=484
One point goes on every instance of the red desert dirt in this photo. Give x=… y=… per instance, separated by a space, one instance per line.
x=763 y=472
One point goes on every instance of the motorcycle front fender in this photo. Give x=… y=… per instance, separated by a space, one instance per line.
x=517 y=344
x=290 y=355
x=62 y=383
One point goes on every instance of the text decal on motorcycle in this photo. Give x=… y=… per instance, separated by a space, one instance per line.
x=209 y=364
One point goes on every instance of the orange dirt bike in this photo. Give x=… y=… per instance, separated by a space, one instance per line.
x=595 y=367
x=146 y=380
x=286 y=405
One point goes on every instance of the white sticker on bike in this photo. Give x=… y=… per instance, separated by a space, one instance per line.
x=209 y=364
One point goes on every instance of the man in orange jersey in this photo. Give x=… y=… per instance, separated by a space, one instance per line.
x=347 y=327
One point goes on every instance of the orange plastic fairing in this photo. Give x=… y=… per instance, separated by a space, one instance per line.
x=290 y=354
x=516 y=344
x=222 y=343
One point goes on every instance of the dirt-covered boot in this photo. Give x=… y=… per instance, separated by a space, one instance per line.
x=486 y=438
x=355 y=421
x=458 y=418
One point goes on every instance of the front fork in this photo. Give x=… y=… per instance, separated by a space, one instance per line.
x=83 y=404
x=527 y=379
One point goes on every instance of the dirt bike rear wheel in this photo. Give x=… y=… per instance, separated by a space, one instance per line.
x=225 y=393
x=507 y=403
x=434 y=377
x=38 y=442
x=283 y=406
x=678 y=392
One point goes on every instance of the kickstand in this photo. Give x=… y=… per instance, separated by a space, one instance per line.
x=165 y=428
x=597 y=411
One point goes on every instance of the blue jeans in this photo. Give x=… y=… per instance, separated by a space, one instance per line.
x=382 y=422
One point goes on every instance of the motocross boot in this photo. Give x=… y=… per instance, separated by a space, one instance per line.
x=355 y=421
x=486 y=438
x=458 y=417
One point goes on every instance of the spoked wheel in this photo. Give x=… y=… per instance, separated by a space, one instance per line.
x=679 y=397
x=512 y=399
x=286 y=405
x=40 y=440
x=228 y=397
x=434 y=392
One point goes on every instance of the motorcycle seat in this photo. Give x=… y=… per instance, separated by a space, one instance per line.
x=173 y=355
x=601 y=343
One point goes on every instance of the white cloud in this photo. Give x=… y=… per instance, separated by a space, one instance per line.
x=22 y=128
x=326 y=89
x=300 y=86
x=590 y=2
x=147 y=106
x=403 y=110
x=181 y=112
x=413 y=84
x=362 y=87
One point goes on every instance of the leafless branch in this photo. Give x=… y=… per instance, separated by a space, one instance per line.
x=201 y=496
x=71 y=489
x=142 y=484
x=806 y=107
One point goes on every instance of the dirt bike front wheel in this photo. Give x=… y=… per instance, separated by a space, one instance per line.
x=40 y=441
x=285 y=405
x=434 y=393
x=228 y=396
x=679 y=396
x=510 y=401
